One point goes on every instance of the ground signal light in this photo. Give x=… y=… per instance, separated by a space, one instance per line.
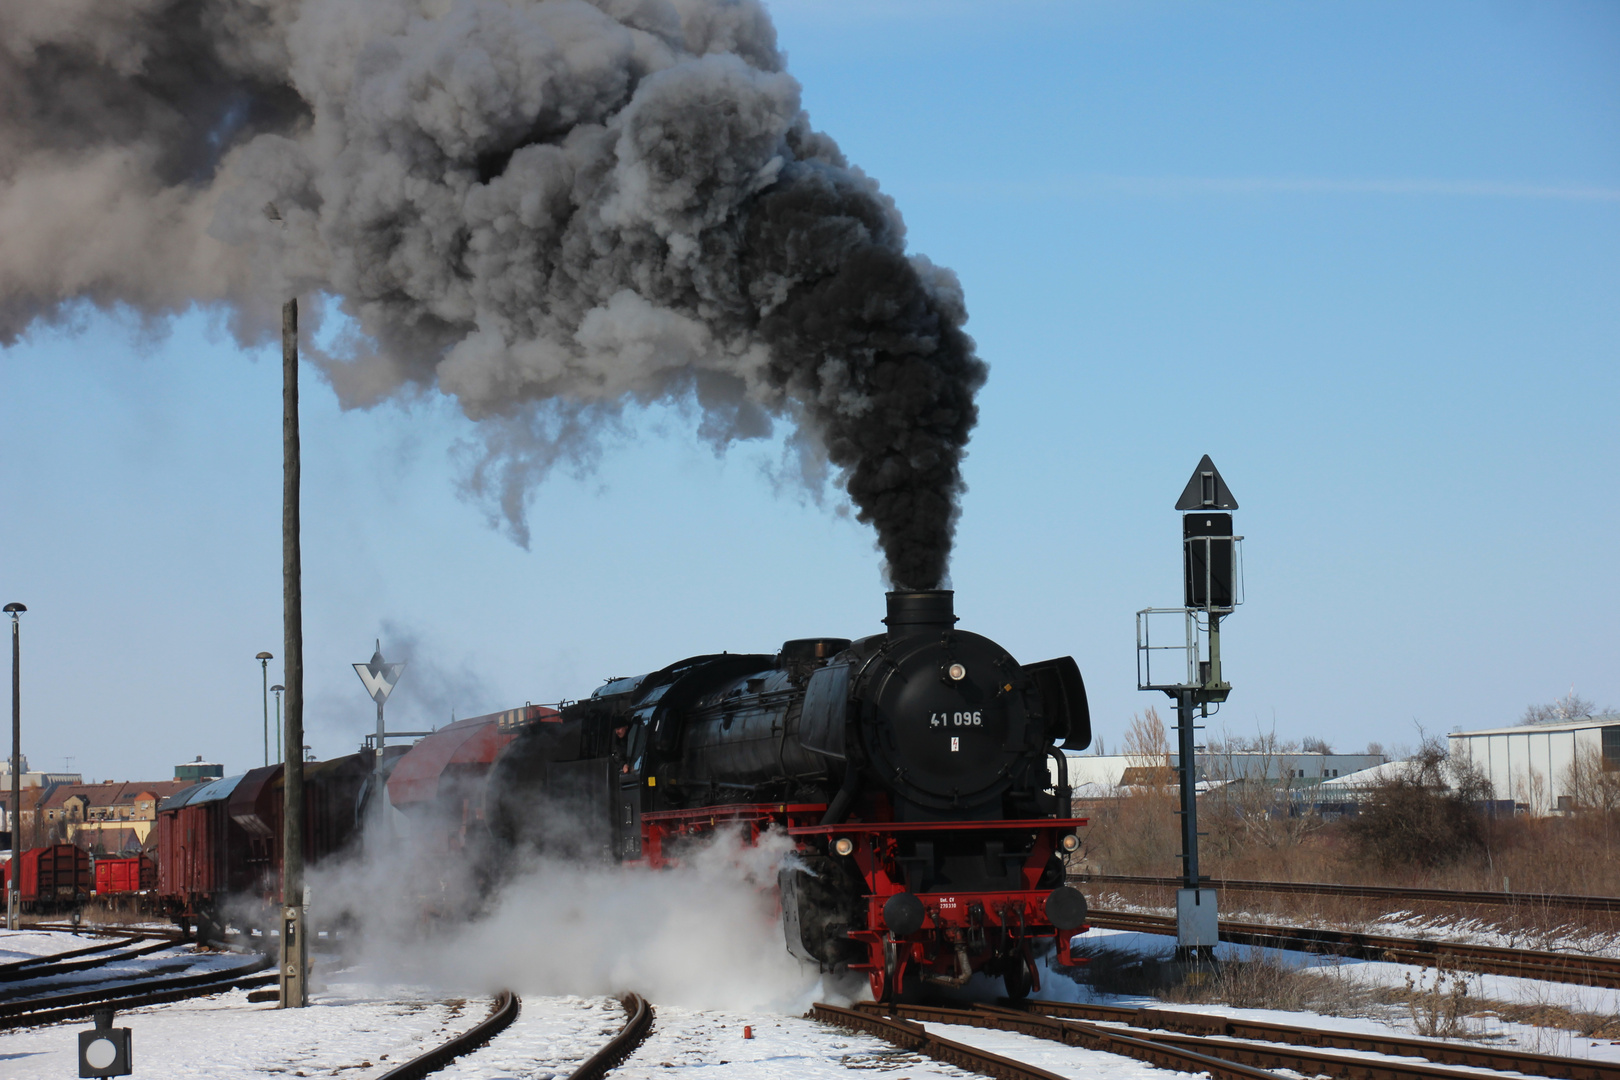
x=105 y=1050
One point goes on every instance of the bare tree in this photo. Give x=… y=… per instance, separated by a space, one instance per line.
x=1569 y=707
x=1591 y=786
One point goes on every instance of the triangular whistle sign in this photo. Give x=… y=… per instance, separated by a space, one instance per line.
x=379 y=676
x=1206 y=490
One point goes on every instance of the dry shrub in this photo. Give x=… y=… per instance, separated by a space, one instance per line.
x=1439 y=1009
x=1416 y=818
x=1258 y=981
x=1137 y=831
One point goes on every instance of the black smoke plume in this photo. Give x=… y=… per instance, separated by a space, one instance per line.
x=550 y=211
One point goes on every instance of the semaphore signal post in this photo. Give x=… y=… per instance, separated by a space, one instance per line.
x=1212 y=586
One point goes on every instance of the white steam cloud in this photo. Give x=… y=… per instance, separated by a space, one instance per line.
x=706 y=934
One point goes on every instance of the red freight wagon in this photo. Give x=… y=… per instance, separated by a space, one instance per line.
x=53 y=878
x=125 y=877
x=439 y=784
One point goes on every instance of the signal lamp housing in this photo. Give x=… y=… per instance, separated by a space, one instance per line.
x=1070 y=842
x=843 y=845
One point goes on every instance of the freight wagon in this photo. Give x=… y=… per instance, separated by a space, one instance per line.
x=53 y=878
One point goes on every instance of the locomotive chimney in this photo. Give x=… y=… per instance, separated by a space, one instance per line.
x=920 y=612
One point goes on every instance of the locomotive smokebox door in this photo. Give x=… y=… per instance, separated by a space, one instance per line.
x=105 y=1050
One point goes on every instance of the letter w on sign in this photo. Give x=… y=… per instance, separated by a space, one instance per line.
x=379 y=676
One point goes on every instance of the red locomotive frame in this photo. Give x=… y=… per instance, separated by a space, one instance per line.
x=976 y=920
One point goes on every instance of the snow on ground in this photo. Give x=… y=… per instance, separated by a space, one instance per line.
x=699 y=1045
x=356 y=1030
x=1549 y=936
x=349 y=1030
x=18 y=945
x=1601 y=1001
x=177 y=962
x=1071 y=1061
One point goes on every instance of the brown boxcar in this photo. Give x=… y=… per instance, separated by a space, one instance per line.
x=52 y=878
x=221 y=842
x=201 y=852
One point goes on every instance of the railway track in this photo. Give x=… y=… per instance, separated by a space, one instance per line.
x=1496 y=1059
x=897 y=1026
x=51 y=1008
x=1227 y=1049
x=1370 y=892
x=1485 y=959
x=50 y=967
x=637 y=1024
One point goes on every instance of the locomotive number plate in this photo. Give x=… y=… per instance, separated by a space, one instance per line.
x=957 y=719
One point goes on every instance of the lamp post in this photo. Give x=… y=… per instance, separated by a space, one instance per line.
x=276 y=690
x=264 y=659
x=13 y=907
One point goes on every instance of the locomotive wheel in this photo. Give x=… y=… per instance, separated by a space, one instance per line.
x=1015 y=977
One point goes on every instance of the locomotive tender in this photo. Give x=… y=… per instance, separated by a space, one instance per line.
x=910 y=768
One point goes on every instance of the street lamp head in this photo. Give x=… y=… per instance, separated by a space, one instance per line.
x=264 y=656
x=12 y=609
x=278 y=688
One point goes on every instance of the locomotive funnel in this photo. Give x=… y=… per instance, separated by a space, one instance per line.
x=920 y=611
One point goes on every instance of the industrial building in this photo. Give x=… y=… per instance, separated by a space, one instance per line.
x=1543 y=767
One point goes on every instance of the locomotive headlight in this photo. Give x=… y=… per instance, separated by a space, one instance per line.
x=1070 y=842
x=957 y=672
x=843 y=845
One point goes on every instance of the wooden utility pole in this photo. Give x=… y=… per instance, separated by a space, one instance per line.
x=294 y=944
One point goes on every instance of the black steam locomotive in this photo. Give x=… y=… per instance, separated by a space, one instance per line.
x=918 y=772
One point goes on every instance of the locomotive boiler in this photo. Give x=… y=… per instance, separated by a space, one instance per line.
x=918 y=771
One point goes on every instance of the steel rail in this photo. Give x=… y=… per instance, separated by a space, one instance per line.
x=50 y=958
x=637 y=1026
x=55 y=1007
x=914 y=1037
x=1371 y=892
x=1441 y=1053
x=52 y=966
x=26 y=994
x=1257 y=1055
x=1490 y=959
x=502 y=1012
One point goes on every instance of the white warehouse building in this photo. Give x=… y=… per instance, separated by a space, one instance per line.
x=1532 y=764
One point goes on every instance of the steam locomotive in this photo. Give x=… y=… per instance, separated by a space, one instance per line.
x=911 y=769
x=918 y=773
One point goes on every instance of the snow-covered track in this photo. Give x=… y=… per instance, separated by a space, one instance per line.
x=51 y=958
x=896 y=1024
x=502 y=1012
x=49 y=967
x=56 y=1007
x=1266 y=1054
x=1486 y=959
x=1460 y=897
x=638 y=1022
x=1496 y=1059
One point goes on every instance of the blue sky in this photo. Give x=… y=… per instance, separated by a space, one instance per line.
x=1366 y=256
